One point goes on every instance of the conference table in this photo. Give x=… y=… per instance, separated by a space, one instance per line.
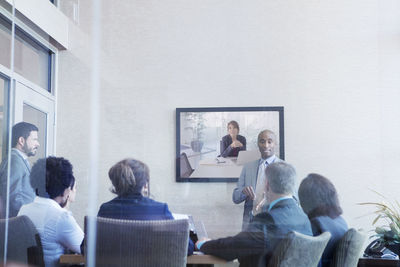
x=78 y=259
x=372 y=262
x=217 y=169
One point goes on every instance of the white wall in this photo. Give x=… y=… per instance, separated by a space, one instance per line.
x=333 y=65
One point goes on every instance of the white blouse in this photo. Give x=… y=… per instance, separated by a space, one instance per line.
x=57 y=228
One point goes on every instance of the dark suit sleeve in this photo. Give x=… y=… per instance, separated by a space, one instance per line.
x=241 y=245
x=242 y=140
x=246 y=243
x=225 y=146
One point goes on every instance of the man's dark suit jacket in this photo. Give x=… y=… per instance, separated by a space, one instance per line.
x=262 y=234
x=225 y=146
x=337 y=227
x=137 y=207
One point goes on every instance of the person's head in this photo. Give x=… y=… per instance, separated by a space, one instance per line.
x=280 y=180
x=318 y=197
x=233 y=128
x=25 y=138
x=129 y=176
x=267 y=143
x=53 y=177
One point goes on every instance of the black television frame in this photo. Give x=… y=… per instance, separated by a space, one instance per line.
x=279 y=109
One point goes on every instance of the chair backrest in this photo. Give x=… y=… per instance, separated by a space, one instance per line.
x=299 y=250
x=24 y=245
x=186 y=169
x=348 y=249
x=141 y=243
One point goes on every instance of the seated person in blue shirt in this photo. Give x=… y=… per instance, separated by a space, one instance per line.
x=319 y=200
x=130 y=180
x=232 y=143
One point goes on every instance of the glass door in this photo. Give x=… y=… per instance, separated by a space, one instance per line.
x=36 y=108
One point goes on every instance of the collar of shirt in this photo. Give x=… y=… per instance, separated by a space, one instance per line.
x=270 y=160
x=276 y=201
x=23 y=155
x=47 y=201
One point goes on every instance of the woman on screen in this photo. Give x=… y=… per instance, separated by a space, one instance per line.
x=232 y=143
x=130 y=180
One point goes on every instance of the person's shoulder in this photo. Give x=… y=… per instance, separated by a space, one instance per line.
x=153 y=202
x=326 y=220
x=25 y=209
x=241 y=137
x=263 y=216
x=226 y=137
x=288 y=206
x=109 y=203
x=261 y=220
x=252 y=164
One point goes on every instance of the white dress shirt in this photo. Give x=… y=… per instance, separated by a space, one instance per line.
x=260 y=185
x=57 y=228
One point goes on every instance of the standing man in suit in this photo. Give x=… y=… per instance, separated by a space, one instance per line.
x=25 y=144
x=271 y=225
x=250 y=187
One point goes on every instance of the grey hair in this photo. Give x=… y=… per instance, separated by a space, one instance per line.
x=281 y=177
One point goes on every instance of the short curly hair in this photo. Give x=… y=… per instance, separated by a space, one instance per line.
x=51 y=176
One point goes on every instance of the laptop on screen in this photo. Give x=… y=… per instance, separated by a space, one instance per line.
x=247 y=156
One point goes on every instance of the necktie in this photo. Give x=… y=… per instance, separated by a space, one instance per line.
x=260 y=186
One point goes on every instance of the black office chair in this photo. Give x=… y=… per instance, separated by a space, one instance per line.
x=24 y=244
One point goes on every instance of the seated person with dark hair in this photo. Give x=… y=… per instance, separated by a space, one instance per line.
x=319 y=200
x=130 y=179
x=276 y=220
x=233 y=142
x=52 y=179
